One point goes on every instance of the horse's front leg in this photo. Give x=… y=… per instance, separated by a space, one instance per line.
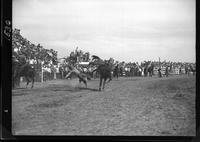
x=151 y=74
x=100 y=83
x=27 y=82
x=85 y=82
x=104 y=82
x=68 y=75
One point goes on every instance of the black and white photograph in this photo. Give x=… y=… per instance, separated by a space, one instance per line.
x=103 y=67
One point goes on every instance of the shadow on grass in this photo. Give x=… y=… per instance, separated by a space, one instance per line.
x=21 y=91
x=73 y=89
x=90 y=89
x=19 y=94
x=19 y=88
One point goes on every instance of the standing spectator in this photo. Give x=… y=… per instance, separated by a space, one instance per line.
x=61 y=72
x=159 y=72
x=170 y=67
x=121 y=71
x=186 y=69
x=180 y=70
x=166 y=71
x=126 y=71
x=116 y=69
x=131 y=71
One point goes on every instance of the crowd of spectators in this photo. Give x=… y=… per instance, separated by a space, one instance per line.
x=129 y=69
x=136 y=69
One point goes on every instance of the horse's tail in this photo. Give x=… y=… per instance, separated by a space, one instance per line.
x=88 y=77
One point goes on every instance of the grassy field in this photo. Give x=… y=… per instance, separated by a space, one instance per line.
x=134 y=106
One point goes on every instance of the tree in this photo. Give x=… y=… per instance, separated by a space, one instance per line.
x=24 y=51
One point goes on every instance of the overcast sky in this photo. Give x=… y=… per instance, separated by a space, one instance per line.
x=127 y=30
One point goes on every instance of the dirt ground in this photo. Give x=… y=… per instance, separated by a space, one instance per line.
x=136 y=106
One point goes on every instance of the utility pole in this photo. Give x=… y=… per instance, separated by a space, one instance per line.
x=42 y=71
x=159 y=62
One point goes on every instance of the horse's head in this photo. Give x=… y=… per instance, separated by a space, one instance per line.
x=90 y=64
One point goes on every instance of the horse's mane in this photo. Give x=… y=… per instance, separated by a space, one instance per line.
x=95 y=57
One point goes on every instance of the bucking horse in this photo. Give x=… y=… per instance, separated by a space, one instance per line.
x=104 y=68
x=148 y=69
x=81 y=76
x=22 y=70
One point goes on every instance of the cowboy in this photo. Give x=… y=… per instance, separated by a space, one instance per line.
x=180 y=72
x=159 y=72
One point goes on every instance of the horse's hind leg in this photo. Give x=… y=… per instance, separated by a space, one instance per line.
x=32 y=83
x=27 y=82
x=109 y=80
x=85 y=82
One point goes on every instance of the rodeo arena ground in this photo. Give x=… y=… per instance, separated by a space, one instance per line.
x=86 y=95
